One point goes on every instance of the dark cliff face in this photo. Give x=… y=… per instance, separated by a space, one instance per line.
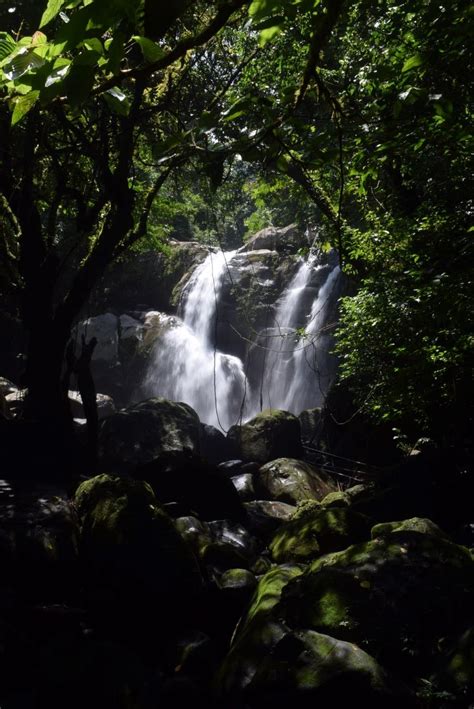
x=147 y=280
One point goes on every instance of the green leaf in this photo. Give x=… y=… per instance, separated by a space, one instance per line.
x=23 y=104
x=7 y=45
x=261 y=9
x=412 y=63
x=60 y=70
x=38 y=39
x=151 y=51
x=24 y=60
x=268 y=34
x=238 y=108
x=52 y=9
x=117 y=101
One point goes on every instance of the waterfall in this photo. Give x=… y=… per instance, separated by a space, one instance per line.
x=297 y=366
x=294 y=354
x=186 y=367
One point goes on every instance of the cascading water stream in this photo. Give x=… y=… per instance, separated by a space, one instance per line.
x=297 y=367
x=296 y=374
x=186 y=365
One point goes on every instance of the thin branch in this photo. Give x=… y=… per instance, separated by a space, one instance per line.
x=217 y=23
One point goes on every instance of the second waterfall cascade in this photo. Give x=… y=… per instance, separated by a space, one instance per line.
x=287 y=366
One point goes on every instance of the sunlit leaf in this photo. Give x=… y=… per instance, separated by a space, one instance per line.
x=7 y=45
x=52 y=9
x=23 y=105
x=151 y=51
x=22 y=62
x=412 y=63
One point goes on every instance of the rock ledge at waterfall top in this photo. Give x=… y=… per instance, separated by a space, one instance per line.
x=282 y=239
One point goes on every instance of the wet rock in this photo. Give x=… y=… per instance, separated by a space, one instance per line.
x=230 y=540
x=146 y=432
x=7 y=387
x=271 y=434
x=214 y=446
x=238 y=580
x=318 y=532
x=195 y=532
x=265 y=516
x=291 y=480
x=244 y=486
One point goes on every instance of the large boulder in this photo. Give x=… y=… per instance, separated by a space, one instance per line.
x=397 y=595
x=147 y=431
x=105 y=328
x=271 y=434
x=319 y=532
x=292 y=481
x=282 y=239
x=269 y=664
x=130 y=549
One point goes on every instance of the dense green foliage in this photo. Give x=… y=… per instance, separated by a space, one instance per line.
x=407 y=336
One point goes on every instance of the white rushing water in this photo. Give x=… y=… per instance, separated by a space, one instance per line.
x=297 y=367
x=186 y=365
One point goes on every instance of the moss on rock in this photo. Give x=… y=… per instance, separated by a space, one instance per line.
x=271 y=434
x=415 y=524
x=318 y=532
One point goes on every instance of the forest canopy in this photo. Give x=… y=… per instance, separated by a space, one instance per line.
x=124 y=122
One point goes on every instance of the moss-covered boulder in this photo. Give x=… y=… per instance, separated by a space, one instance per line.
x=270 y=664
x=415 y=524
x=292 y=481
x=130 y=549
x=308 y=669
x=396 y=596
x=145 y=432
x=319 y=532
x=271 y=434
